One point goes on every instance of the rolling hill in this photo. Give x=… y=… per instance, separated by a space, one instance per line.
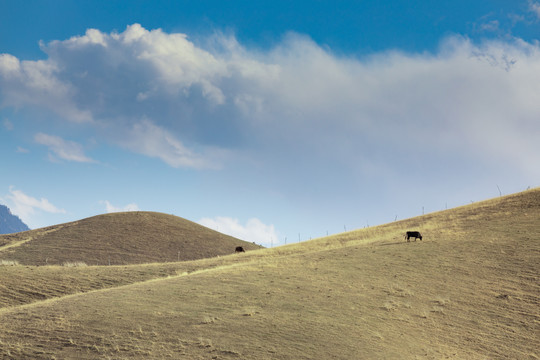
x=469 y=290
x=118 y=238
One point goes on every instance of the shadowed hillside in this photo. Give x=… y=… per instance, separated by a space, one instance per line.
x=119 y=238
x=469 y=290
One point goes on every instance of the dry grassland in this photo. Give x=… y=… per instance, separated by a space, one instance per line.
x=470 y=290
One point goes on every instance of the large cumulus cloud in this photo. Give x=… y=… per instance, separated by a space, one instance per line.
x=198 y=104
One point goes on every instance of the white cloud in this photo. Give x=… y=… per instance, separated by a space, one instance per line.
x=22 y=150
x=534 y=7
x=36 y=83
x=110 y=208
x=91 y=37
x=63 y=149
x=163 y=96
x=149 y=139
x=253 y=231
x=25 y=206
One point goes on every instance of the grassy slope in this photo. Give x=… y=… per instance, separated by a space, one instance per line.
x=21 y=285
x=469 y=290
x=119 y=238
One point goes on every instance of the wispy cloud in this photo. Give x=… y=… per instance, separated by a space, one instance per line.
x=63 y=149
x=110 y=208
x=490 y=26
x=254 y=230
x=534 y=7
x=151 y=140
x=25 y=205
x=8 y=125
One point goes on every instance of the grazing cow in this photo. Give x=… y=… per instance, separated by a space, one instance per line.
x=413 y=234
x=239 y=249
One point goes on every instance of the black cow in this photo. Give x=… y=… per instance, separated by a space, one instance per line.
x=239 y=249
x=413 y=234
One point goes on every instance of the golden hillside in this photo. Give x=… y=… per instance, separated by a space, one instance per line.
x=119 y=238
x=469 y=290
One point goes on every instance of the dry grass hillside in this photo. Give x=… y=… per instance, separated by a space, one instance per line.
x=118 y=238
x=469 y=290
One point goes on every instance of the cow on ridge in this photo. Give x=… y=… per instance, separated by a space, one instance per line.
x=413 y=234
x=239 y=249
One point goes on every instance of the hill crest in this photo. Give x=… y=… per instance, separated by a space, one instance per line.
x=118 y=239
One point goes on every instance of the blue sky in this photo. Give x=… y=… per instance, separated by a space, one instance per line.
x=277 y=121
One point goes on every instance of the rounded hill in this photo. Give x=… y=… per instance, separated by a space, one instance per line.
x=118 y=239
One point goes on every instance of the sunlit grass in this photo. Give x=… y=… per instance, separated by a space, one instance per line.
x=469 y=290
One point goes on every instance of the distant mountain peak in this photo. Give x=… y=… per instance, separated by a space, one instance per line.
x=10 y=223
